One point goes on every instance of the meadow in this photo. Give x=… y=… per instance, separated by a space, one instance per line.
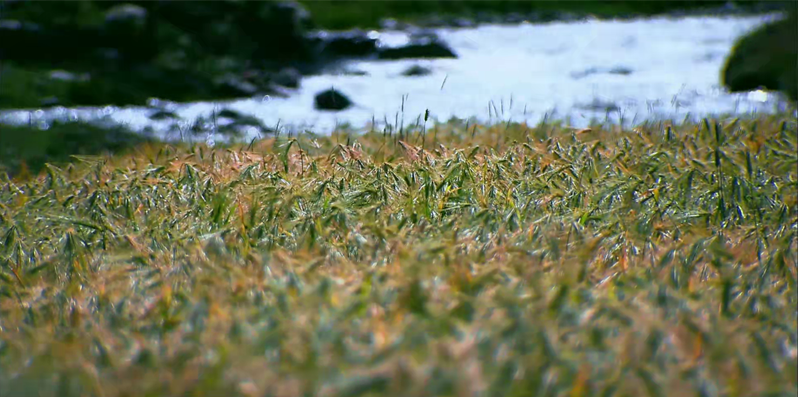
x=453 y=259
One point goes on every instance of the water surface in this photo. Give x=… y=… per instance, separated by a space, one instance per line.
x=637 y=70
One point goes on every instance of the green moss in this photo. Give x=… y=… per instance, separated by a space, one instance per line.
x=767 y=58
x=27 y=88
x=180 y=53
x=30 y=147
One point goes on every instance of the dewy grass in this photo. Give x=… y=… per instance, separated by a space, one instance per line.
x=500 y=260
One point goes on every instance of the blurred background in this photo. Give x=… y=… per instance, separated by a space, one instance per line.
x=81 y=77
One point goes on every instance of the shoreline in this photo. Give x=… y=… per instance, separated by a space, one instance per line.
x=438 y=21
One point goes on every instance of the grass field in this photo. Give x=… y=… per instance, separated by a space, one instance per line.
x=456 y=260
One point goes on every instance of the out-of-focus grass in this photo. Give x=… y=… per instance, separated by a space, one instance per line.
x=455 y=260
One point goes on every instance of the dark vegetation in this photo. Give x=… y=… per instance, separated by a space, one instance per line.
x=24 y=150
x=115 y=52
x=135 y=50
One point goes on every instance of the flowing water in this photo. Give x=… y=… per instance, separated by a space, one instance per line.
x=646 y=69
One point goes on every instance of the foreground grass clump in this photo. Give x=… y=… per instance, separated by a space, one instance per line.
x=496 y=260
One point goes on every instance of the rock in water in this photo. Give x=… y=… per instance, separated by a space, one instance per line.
x=417 y=70
x=352 y=43
x=331 y=100
x=618 y=70
x=766 y=58
x=162 y=114
x=287 y=77
x=233 y=86
x=421 y=48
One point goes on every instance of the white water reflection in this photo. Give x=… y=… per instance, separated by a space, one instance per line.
x=638 y=70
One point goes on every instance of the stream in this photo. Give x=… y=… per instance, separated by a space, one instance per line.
x=629 y=71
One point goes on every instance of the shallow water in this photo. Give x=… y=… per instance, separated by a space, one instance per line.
x=638 y=70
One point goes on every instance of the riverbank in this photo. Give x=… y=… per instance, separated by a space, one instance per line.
x=114 y=53
x=631 y=71
x=341 y=15
x=104 y=53
x=493 y=259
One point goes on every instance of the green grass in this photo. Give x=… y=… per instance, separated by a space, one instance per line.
x=501 y=260
x=25 y=150
x=27 y=88
x=30 y=87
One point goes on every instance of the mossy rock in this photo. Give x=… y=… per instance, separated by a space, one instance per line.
x=766 y=59
x=331 y=100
